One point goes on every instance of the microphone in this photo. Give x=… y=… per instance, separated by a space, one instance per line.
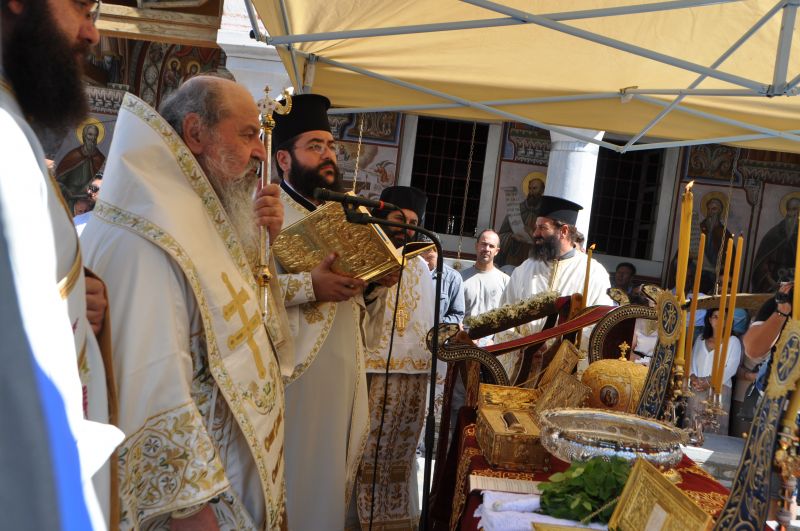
x=322 y=194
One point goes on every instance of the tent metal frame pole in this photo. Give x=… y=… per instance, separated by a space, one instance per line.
x=728 y=121
x=701 y=141
x=487 y=23
x=467 y=103
x=693 y=85
x=784 y=47
x=292 y=52
x=490 y=103
x=251 y=14
x=395 y=30
x=620 y=45
x=693 y=92
x=791 y=87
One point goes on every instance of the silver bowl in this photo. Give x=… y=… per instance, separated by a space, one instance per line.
x=581 y=434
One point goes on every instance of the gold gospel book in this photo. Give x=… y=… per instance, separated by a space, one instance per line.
x=365 y=251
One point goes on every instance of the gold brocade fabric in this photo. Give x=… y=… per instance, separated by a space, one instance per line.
x=402 y=424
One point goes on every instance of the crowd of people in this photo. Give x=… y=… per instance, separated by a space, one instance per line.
x=156 y=389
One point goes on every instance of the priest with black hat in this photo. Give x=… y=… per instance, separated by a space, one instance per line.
x=553 y=264
x=326 y=397
x=396 y=505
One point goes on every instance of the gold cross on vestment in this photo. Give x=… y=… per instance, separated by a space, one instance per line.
x=249 y=324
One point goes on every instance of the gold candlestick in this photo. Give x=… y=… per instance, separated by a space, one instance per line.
x=683 y=265
x=585 y=292
x=731 y=308
x=721 y=316
x=693 y=307
x=796 y=298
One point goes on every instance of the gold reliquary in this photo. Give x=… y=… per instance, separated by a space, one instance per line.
x=365 y=251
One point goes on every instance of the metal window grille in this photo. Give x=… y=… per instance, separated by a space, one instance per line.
x=441 y=155
x=625 y=202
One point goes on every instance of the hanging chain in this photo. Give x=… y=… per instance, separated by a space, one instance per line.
x=724 y=243
x=358 y=149
x=466 y=189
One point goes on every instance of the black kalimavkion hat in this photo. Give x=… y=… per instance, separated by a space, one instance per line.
x=559 y=209
x=406 y=197
x=309 y=113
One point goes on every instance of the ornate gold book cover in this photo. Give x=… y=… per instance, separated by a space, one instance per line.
x=365 y=251
x=651 y=501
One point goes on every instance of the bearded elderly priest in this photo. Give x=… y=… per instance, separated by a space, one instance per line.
x=396 y=504
x=326 y=398
x=200 y=392
x=554 y=264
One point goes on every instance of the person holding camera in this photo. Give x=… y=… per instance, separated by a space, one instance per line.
x=766 y=328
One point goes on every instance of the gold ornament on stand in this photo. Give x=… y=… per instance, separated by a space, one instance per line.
x=267 y=107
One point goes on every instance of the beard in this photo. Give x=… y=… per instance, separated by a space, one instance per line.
x=236 y=195
x=44 y=69
x=546 y=249
x=305 y=179
x=398 y=236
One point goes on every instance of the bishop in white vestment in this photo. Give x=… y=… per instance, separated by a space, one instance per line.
x=200 y=390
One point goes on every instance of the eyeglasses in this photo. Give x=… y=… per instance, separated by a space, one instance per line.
x=90 y=8
x=319 y=148
x=92 y=189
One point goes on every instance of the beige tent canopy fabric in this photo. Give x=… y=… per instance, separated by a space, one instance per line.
x=529 y=60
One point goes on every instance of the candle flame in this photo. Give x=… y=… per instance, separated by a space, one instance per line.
x=689 y=186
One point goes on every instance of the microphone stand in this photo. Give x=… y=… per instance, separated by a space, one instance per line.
x=354 y=216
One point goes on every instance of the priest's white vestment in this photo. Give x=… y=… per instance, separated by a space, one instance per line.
x=50 y=263
x=326 y=397
x=396 y=495
x=200 y=390
x=566 y=276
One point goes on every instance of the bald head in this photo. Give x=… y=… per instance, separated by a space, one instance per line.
x=486 y=248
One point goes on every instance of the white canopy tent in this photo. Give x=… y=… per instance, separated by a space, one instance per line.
x=677 y=72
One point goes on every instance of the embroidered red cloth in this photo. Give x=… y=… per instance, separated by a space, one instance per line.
x=456 y=510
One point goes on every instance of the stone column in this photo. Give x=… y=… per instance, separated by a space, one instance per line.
x=253 y=64
x=571 y=171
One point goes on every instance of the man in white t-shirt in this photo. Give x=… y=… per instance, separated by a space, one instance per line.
x=483 y=286
x=483 y=282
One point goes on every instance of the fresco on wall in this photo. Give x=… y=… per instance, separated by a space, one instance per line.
x=519 y=188
x=526 y=144
x=773 y=260
x=519 y=193
x=377 y=161
x=82 y=153
x=759 y=193
x=150 y=70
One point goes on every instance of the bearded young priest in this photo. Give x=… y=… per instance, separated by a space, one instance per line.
x=175 y=236
x=553 y=264
x=326 y=397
